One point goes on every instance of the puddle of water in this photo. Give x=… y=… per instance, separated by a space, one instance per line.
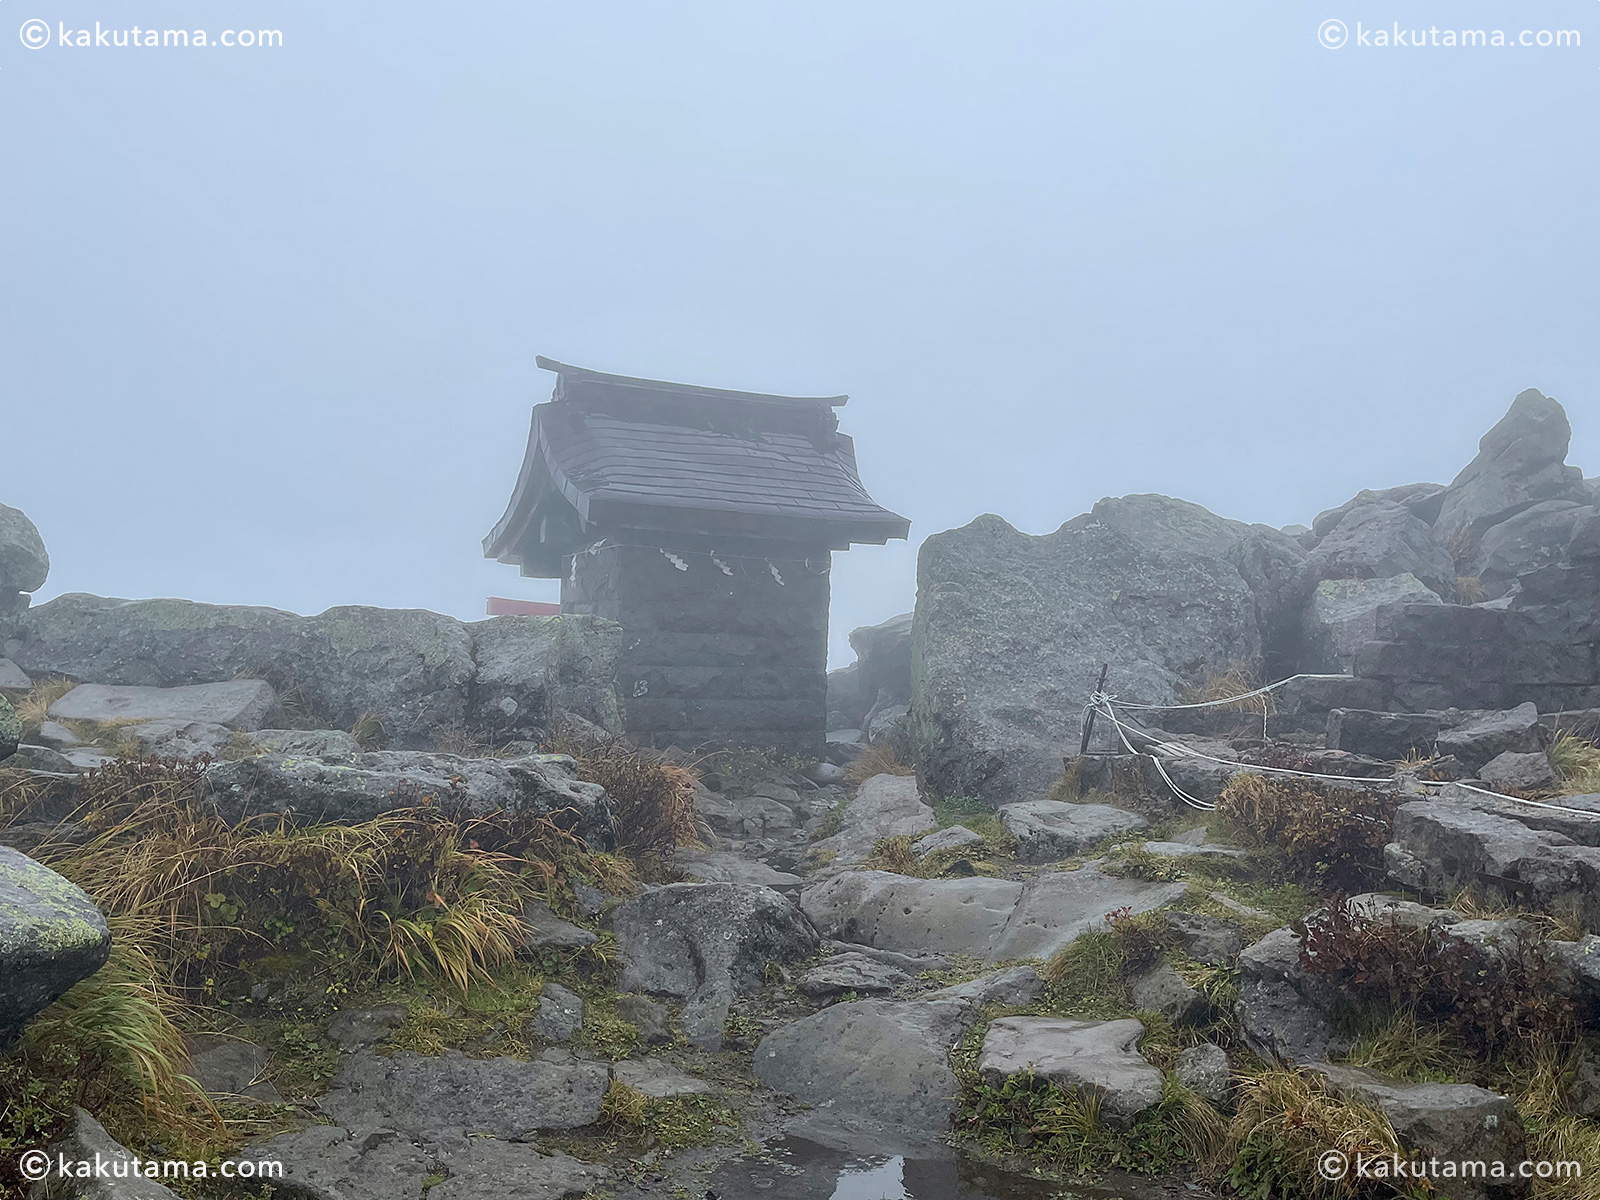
x=797 y=1169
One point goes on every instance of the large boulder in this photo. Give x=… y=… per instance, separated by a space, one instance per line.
x=1535 y=537
x=1283 y=1011
x=1094 y=1060
x=51 y=936
x=360 y=787
x=24 y=564
x=416 y=673
x=1343 y=616
x=706 y=943
x=1521 y=461
x=1378 y=541
x=1421 y=500
x=1011 y=630
x=1382 y=734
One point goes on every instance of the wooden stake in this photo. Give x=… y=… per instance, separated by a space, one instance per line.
x=1088 y=732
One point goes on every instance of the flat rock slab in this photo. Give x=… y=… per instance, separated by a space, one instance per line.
x=718 y=866
x=884 y=806
x=449 y=1095
x=488 y=1169
x=1187 y=850
x=51 y=936
x=858 y=973
x=307 y=743
x=910 y=915
x=1057 y=908
x=1087 y=1058
x=243 y=704
x=997 y=920
x=658 y=1080
x=357 y=1028
x=1048 y=830
x=180 y=739
x=12 y=677
x=874 y=1061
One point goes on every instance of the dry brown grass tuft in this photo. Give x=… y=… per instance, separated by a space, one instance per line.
x=877 y=759
x=1226 y=685
x=1286 y=1121
x=34 y=708
x=652 y=797
x=1576 y=761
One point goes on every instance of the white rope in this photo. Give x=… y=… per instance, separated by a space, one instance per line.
x=1102 y=703
x=1260 y=691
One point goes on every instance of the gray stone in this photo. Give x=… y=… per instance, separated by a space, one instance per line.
x=1209 y=940
x=88 y=1142
x=1518 y=772
x=306 y=743
x=233 y=1070
x=178 y=739
x=1186 y=850
x=652 y=1020
x=1378 y=541
x=41 y=758
x=1520 y=462
x=1343 y=616
x=324 y=1162
x=1484 y=737
x=12 y=677
x=1452 y=1122
x=825 y=773
x=546 y=931
x=24 y=563
x=434 y=1098
x=658 y=1080
x=10 y=729
x=365 y=786
x=856 y=973
x=1422 y=500
x=1010 y=987
x=885 y=806
x=956 y=837
x=1382 y=734
x=1162 y=990
x=1048 y=830
x=998 y=920
x=717 y=866
x=706 y=943
x=906 y=914
x=1205 y=1069
x=51 y=936
x=87 y=758
x=1282 y=1011
x=1096 y=1059
x=357 y=1028
x=883 y=661
x=533 y=670
x=560 y=1014
x=1535 y=537
x=1058 y=907
x=1011 y=630
x=886 y=723
x=57 y=736
x=413 y=672
x=490 y=1169
x=872 y=1065
x=238 y=704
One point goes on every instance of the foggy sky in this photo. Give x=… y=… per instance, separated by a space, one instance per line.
x=269 y=317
